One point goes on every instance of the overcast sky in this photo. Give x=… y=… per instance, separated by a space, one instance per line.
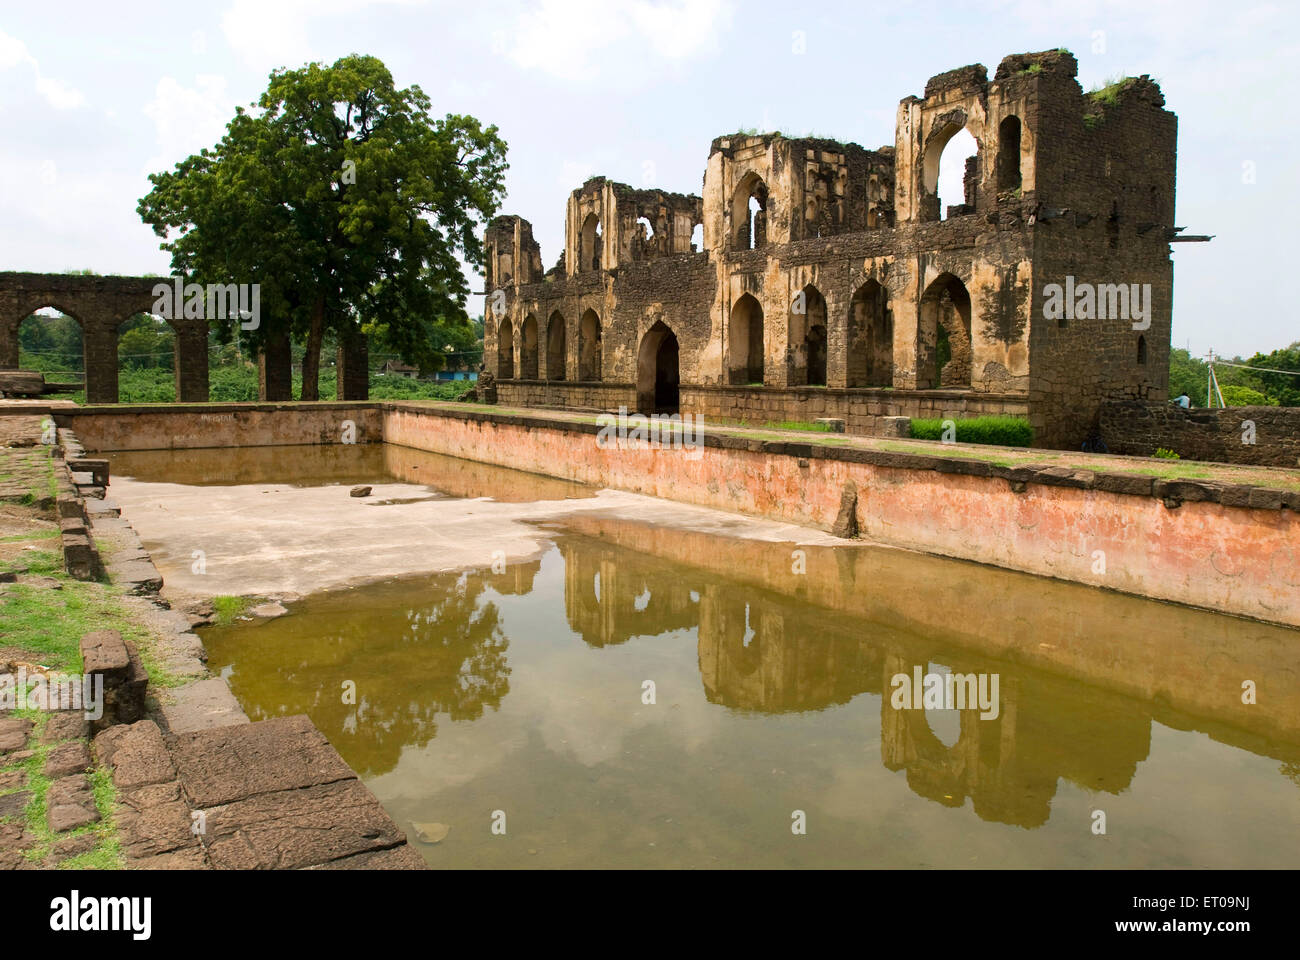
x=94 y=96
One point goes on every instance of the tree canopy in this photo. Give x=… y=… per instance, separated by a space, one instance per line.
x=349 y=204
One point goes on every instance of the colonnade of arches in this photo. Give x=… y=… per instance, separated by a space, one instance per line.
x=520 y=352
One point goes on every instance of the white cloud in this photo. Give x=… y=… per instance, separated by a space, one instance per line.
x=273 y=33
x=187 y=119
x=14 y=53
x=565 y=38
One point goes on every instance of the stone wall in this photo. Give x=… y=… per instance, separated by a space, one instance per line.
x=1139 y=428
x=164 y=427
x=861 y=410
x=577 y=396
x=1230 y=549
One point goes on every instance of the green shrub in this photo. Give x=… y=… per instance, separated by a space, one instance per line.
x=1166 y=454
x=1000 y=431
x=1238 y=396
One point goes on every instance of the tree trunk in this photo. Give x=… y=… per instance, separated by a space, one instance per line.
x=311 y=359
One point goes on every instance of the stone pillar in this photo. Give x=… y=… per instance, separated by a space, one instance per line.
x=274 y=370
x=100 y=347
x=190 y=363
x=9 y=344
x=353 y=367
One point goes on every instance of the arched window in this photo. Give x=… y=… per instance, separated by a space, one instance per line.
x=697 y=238
x=749 y=213
x=949 y=173
x=590 y=248
x=1008 y=164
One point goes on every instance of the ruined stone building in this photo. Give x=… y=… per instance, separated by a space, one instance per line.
x=816 y=278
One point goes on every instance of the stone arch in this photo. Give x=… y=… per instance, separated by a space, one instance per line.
x=947 y=127
x=806 y=343
x=658 y=379
x=749 y=213
x=12 y=331
x=745 y=342
x=589 y=347
x=944 y=357
x=555 y=347
x=590 y=245
x=870 y=357
x=506 y=351
x=528 y=349
x=1008 y=161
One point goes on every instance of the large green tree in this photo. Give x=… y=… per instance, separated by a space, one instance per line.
x=349 y=204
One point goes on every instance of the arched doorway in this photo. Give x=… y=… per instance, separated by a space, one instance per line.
x=745 y=343
x=944 y=357
x=806 y=342
x=555 y=347
x=589 y=347
x=505 y=351
x=528 y=349
x=658 y=383
x=871 y=337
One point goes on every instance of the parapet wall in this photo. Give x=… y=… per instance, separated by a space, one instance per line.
x=1139 y=429
x=1230 y=549
x=863 y=411
x=188 y=427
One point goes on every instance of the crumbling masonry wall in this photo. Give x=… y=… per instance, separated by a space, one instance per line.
x=827 y=272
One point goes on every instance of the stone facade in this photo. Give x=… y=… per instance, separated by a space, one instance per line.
x=809 y=263
x=1139 y=428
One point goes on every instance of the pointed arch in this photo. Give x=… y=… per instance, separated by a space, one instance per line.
x=555 y=347
x=745 y=350
x=589 y=347
x=806 y=341
x=870 y=355
x=944 y=357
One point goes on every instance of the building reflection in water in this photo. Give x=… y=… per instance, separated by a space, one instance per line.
x=1082 y=673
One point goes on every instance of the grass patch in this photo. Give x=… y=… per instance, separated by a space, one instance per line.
x=999 y=431
x=225 y=610
x=107 y=852
x=34 y=535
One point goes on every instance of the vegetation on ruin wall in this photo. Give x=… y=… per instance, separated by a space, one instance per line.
x=1000 y=431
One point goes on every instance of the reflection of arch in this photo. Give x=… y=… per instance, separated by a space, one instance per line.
x=943 y=342
x=506 y=351
x=806 y=350
x=749 y=213
x=528 y=349
x=657 y=376
x=1008 y=162
x=871 y=337
x=589 y=347
x=555 y=337
x=589 y=248
x=745 y=342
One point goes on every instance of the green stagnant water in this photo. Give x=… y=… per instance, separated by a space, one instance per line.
x=522 y=691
